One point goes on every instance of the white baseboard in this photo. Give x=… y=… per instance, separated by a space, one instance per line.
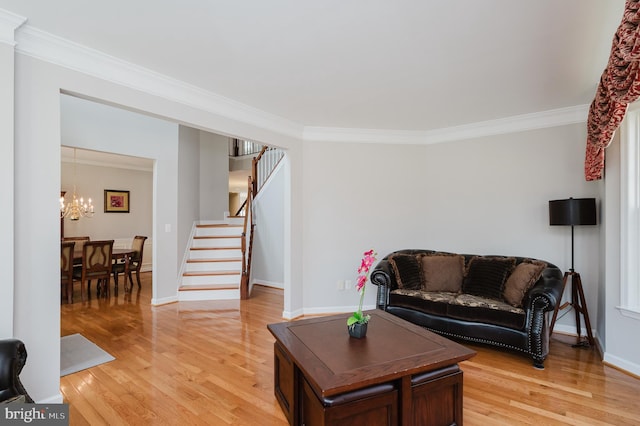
x=325 y=310
x=55 y=399
x=622 y=364
x=164 y=300
x=268 y=283
x=571 y=330
x=289 y=315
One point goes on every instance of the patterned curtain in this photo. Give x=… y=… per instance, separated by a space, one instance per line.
x=619 y=86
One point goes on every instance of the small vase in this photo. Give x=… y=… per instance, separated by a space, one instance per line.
x=358 y=330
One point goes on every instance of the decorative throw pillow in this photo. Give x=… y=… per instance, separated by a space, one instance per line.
x=523 y=277
x=486 y=276
x=407 y=270
x=442 y=273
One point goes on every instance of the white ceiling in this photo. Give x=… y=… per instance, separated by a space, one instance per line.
x=367 y=64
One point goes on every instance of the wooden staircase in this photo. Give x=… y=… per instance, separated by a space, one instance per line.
x=217 y=265
x=213 y=267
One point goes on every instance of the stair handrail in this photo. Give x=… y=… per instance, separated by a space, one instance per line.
x=244 y=203
x=254 y=170
x=247 y=248
x=242 y=147
x=263 y=165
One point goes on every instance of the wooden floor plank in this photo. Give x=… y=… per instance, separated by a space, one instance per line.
x=211 y=363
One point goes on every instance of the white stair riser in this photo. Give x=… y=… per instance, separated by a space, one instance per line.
x=227 y=247
x=204 y=280
x=216 y=254
x=216 y=232
x=217 y=242
x=208 y=295
x=213 y=266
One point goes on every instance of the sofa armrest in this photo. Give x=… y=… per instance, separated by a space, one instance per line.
x=13 y=356
x=550 y=286
x=382 y=275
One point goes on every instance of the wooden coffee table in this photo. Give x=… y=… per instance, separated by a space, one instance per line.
x=399 y=374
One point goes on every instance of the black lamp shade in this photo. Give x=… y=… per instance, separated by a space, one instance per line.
x=573 y=211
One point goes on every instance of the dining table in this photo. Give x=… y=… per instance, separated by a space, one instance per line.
x=117 y=254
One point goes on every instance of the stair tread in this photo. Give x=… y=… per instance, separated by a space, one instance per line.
x=209 y=273
x=228 y=259
x=212 y=237
x=219 y=225
x=208 y=287
x=215 y=248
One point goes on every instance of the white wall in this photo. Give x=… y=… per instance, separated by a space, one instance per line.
x=188 y=186
x=91 y=181
x=37 y=233
x=6 y=177
x=356 y=197
x=214 y=176
x=267 y=262
x=486 y=196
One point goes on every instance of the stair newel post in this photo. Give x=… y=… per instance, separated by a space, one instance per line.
x=244 y=278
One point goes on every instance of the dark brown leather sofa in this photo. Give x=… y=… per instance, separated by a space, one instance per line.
x=13 y=356
x=478 y=308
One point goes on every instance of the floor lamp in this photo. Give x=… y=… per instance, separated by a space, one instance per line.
x=572 y=212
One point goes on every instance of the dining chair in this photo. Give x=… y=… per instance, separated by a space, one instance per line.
x=66 y=269
x=96 y=264
x=79 y=242
x=135 y=263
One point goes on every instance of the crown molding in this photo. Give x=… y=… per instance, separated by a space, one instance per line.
x=339 y=134
x=9 y=23
x=51 y=48
x=39 y=44
x=514 y=124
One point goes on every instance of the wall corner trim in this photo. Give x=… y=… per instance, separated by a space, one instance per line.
x=9 y=23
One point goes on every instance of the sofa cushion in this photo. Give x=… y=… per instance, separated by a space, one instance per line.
x=486 y=276
x=407 y=269
x=523 y=277
x=442 y=273
x=489 y=311
x=431 y=302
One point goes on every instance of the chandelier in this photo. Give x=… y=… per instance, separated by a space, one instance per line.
x=77 y=208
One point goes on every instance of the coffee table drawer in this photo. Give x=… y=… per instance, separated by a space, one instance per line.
x=373 y=406
x=436 y=397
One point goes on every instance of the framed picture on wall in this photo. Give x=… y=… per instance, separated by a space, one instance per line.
x=116 y=201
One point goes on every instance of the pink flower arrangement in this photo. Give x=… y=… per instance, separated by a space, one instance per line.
x=363 y=274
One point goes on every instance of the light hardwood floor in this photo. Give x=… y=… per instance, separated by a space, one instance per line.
x=211 y=363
